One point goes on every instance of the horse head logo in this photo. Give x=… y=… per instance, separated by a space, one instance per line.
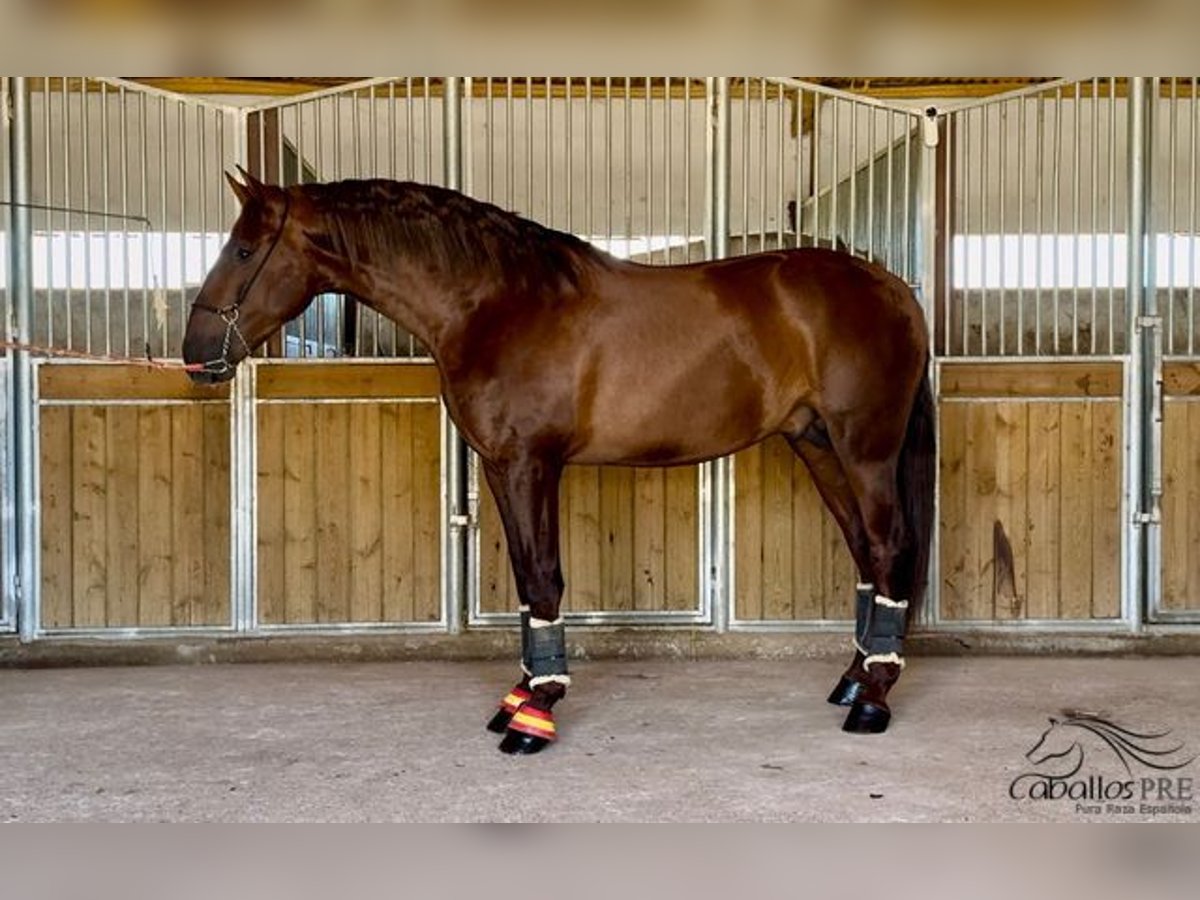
x=1059 y=752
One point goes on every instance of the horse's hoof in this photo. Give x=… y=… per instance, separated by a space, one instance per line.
x=866 y=717
x=530 y=731
x=513 y=700
x=499 y=722
x=517 y=742
x=846 y=692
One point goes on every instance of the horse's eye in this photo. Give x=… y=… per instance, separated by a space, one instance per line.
x=244 y=252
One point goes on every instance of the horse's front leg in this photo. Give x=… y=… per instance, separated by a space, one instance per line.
x=526 y=492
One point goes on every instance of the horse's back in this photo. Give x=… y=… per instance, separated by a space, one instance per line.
x=695 y=361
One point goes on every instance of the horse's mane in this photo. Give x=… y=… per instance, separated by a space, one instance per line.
x=448 y=232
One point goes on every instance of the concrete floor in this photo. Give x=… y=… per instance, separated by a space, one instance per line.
x=643 y=740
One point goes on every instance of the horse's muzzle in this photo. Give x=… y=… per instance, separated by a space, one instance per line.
x=212 y=375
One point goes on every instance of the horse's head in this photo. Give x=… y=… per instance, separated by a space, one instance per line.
x=260 y=280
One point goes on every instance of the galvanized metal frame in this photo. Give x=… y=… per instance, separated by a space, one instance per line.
x=245 y=534
x=459 y=479
x=920 y=257
x=32 y=623
x=1158 y=331
x=24 y=450
x=8 y=484
x=709 y=604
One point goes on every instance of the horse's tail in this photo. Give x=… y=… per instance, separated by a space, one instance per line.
x=916 y=479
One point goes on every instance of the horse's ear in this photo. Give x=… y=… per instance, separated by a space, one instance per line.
x=241 y=191
x=256 y=187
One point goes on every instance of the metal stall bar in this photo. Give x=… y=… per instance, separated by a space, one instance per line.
x=717 y=477
x=8 y=542
x=456 y=507
x=1144 y=332
x=23 y=451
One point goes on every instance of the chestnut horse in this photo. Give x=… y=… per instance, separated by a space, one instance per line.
x=552 y=352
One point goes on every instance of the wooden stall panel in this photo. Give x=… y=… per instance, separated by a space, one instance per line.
x=349 y=526
x=135 y=515
x=1181 y=487
x=790 y=559
x=1030 y=493
x=629 y=542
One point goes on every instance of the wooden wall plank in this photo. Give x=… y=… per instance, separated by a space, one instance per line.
x=427 y=512
x=366 y=539
x=1181 y=503
x=497 y=593
x=748 y=537
x=272 y=591
x=330 y=486
x=300 y=515
x=649 y=539
x=1057 y=378
x=808 y=576
x=396 y=530
x=384 y=381
x=106 y=381
x=1075 y=554
x=840 y=573
x=1009 y=587
x=581 y=530
x=154 y=515
x=682 y=540
x=955 y=585
x=124 y=516
x=58 y=514
x=187 y=526
x=616 y=559
x=1106 y=510
x=1181 y=379
x=215 y=607
x=778 y=540
x=1045 y=498
x=89 y=579
x=1191 y=559
x=981 y=494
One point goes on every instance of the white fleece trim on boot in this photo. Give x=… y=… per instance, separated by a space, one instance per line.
x=881 y=600
x=894 y=658
x=564 y=680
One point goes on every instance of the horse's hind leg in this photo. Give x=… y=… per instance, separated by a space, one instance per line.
x=874 y=483
x=526 y=493
x=814 y=448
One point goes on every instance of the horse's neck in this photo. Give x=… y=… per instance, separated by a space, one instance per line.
x=422 y=303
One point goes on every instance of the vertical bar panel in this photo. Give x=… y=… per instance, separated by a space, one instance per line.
x=21 y=305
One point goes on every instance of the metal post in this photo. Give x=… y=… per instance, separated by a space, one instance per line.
x=243 y=434
x=25 y=589
x=243 y=456
x=1141 y=308
x=719 y=476
x=458 y=521
x=925 y=264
